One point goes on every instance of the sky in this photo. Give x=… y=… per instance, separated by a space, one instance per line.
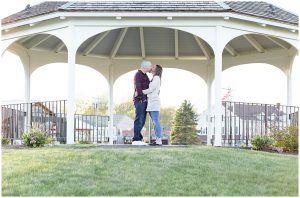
x=248 y=85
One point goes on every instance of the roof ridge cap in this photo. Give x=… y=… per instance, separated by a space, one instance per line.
x=223 y=5
x=64 y=6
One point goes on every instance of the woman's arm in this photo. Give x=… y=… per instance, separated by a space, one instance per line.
x=153 y=85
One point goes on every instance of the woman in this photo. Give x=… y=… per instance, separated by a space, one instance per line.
x=153 y=106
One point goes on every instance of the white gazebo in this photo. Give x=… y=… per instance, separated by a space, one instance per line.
x=204 y=37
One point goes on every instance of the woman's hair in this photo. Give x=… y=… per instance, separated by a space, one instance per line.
x=158 y=71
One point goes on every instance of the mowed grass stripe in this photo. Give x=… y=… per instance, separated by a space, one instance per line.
x=197 y=171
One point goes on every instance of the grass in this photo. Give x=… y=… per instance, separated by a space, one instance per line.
x=84 y=170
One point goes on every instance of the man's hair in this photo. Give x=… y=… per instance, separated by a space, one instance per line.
x=146 y=63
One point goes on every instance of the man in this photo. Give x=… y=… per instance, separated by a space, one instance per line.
x=141 y=82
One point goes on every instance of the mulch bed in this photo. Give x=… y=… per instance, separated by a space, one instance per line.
x=15 y=146
x=284 y=152
x=272 y=151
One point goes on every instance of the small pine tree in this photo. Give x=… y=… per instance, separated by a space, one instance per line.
x=184 y=125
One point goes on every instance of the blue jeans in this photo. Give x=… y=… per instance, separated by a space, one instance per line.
x=155 y=120
x=140 y=119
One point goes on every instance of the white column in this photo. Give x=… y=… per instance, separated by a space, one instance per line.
x=289 y=87
x=1 y=114
x=1 y=63
x=208 y=121
x=218 y=84
x=71 y=95
x=111 y=104
x=27 y=83
x=27 y=92
x=26 y=61
x=289 y=76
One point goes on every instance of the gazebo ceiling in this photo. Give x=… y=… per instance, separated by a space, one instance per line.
x=153 y=42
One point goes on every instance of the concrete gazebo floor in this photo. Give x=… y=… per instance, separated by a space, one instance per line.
x=119 y=146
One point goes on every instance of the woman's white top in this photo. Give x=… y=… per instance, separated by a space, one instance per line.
x=153 y=94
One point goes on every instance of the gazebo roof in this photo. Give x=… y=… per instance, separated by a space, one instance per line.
x=111 y=34
x=256 y=9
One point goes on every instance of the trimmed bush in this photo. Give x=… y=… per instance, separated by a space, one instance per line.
x=35 y=137
x=5 y=140
x=84 y=142
x=261 y=143
x=286 y=138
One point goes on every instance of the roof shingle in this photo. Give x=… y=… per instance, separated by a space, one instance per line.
x=253 y=8
x=36 y=10
x=262 y=9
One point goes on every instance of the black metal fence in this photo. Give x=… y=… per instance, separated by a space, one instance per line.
x=240 y=121
x=243 y=121
x=50 y=116
x=91 y=128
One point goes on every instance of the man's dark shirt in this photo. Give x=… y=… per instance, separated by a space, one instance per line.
x=141 y=82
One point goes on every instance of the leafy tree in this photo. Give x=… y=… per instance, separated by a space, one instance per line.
x=88 y=107
x=184 y=125
x=125 y=108
x=97 y=106
x=166 y=116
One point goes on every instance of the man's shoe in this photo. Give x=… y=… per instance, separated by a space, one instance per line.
x=136 y=143
x=139 y=143
x=158 y=141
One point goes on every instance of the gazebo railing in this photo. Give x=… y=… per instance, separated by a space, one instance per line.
x=49 y=116
x=91 y=128
x=242 y=121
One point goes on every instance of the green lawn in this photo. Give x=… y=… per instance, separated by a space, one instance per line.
x=85 y=170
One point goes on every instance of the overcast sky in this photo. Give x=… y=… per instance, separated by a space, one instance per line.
x=248 y=85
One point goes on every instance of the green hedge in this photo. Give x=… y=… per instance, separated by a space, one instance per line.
x=35 y=137
x=286 y=138
x=5 y=140
x=261 y=142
